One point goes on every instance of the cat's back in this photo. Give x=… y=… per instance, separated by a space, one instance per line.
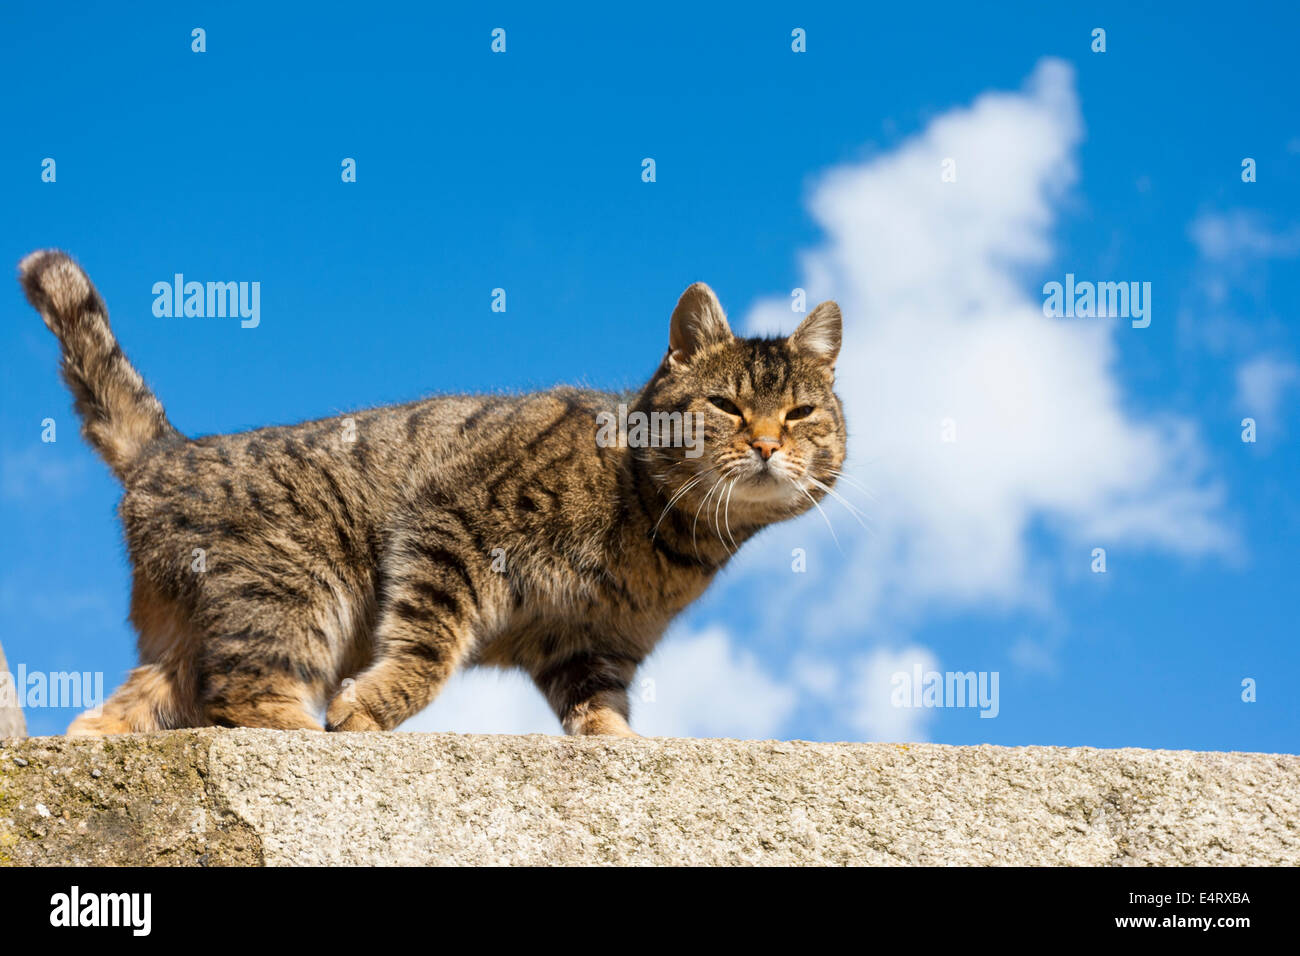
x=530 y=462
x=332 y=484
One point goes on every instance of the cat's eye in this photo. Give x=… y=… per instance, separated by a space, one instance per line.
x=803 y=411
x=724 y=404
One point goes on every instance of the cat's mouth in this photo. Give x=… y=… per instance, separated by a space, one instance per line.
x=769 y=482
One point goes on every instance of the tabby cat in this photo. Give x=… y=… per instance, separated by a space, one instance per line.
x=349 y=566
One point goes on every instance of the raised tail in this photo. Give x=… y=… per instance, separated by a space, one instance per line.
x=120 y=416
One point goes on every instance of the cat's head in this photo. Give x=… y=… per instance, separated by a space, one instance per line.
x=767 y=429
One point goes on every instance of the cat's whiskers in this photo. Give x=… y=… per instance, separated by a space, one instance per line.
x=680 y=493
x=726 y=513
x=672 y=501
x=841 y=476
x=695 y=524
x=717 y=525
x=823 y=514
x=676 y=463
x=841 y=499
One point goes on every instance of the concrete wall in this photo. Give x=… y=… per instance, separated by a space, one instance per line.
x=267 y=797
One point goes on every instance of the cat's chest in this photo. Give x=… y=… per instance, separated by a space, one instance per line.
x=623 y=591
x=564 y=604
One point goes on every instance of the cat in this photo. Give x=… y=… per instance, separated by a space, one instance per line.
x=348 y=566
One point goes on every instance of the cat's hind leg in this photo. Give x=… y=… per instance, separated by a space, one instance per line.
x=271 y=655
x=147 y=701
x=262 y=678
x=160 y=694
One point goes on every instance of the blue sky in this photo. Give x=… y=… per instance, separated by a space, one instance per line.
x=774 y=170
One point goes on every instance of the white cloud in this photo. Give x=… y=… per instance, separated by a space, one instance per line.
x=873 y=712
x=1241 y=235
x=487 y=701
x=1227 y=310
x=818 y=677
x=942 y=323
x=695 y=685
x=1262 y=382
x=703 y=686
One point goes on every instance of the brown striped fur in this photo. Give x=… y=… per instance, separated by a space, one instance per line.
x=351 y=565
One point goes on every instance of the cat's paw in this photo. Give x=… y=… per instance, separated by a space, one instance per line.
x=600 y=722
x=349 y=715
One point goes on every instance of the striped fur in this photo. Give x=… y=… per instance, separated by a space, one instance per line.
x=350 y=565
x=120 y=416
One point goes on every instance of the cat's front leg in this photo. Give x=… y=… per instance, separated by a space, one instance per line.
x=588 y=692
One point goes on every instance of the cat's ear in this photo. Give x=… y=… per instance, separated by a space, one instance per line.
x=818 y=336
x=698 y=321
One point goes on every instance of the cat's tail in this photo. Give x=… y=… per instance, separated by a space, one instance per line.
x=120 y=416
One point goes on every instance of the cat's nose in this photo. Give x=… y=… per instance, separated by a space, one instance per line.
x=765 y=446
